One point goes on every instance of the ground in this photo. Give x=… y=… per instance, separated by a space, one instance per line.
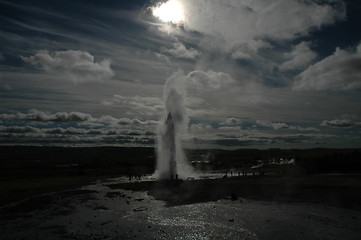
x=105 y=210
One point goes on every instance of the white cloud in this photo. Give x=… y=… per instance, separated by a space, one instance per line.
x=80 y=119
x=180 y=51
x=271 y=124
x=340 y=71
x=200 y=128
x=210 y=80
x=134 y=121
x=229 y=129
x=281 y=125
x=231 y=121
x=233 y=24
x=40 y=116
x=71 y=135
x=78 y=66
x=299 y=57
x=341 y=123
x=147 y=106
x=239 y=54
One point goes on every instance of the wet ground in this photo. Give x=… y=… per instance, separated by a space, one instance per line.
x=100 y=212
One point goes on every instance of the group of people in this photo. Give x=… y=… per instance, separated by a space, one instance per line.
x=244 y=173
x=137 y=177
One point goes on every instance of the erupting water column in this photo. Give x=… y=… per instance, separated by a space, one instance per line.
x=170 y=141
x=171 y=161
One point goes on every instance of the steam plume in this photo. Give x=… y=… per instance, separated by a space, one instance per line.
x=171 y=160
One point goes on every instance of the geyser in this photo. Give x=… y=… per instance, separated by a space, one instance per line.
x=170 y=145
x=171 y=160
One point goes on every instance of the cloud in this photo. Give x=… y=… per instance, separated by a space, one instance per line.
x=39 y=116
x=78 y=66
x=301 y=138
x=74 y=128
x=19 y=129
x=256 y=138
x=134 y=121
x=300 y=56
x=239 y=54
x=340 y=71
x=68 y=131
x=341 y=123
x=231 y=121
x=147 y=106
x=229 y=129
x=210 y=80
x=281 y=125
x=71 y=135
x=271 y=124
x=256 y=20
x=200 y=128
x=7 y=87
x=180 y=51
x=79 y=119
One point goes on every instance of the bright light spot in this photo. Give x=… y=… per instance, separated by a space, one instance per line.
x=171 y=11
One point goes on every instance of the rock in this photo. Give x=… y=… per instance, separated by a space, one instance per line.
x=104 y=223
x=139 y=209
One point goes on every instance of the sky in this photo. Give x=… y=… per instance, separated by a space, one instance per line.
x=252 y=73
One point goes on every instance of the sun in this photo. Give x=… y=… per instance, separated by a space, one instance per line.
x=171 y=11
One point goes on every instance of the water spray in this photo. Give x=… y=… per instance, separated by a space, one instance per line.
x=171 y=160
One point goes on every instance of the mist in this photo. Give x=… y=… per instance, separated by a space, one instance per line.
x=171 y=160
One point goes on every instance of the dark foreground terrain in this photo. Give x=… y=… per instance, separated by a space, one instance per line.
x=75 y=193
x=334 y=190
x=27 y=171
x=233 y=208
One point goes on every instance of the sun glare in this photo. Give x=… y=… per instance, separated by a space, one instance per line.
x=171 y=11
